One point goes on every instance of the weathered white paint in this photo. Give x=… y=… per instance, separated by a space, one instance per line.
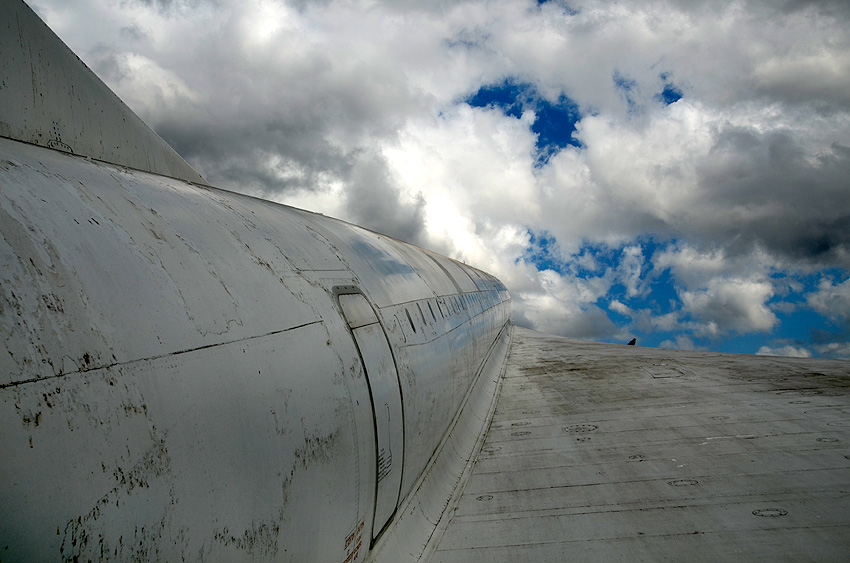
x=385 y=394
x=188 y=373
x=177 y=382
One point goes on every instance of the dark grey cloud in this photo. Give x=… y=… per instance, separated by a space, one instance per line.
x=764 y=189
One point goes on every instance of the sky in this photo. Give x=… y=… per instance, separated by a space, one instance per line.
x=674 y=171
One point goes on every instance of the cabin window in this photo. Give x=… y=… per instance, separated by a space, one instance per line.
x=421 y=314
x=410 y=320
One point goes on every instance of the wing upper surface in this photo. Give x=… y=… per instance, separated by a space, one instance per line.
x=606 y=452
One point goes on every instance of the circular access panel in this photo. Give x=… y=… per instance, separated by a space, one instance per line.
x=580 y=428
x=770 y=512
x=682 y=482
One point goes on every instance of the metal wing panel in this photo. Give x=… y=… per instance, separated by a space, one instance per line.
x=591 y=456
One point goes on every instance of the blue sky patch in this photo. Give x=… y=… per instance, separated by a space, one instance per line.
x=568 y=10
x=649 y=294
x=508 y=96
x=670 y=93
x=543 y=253
x=555 y=121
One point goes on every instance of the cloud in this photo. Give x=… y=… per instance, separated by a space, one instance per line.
x=371 y=199
x=686 y=161
x=837 y=350
x=789 y=351
x=565 y=306
x=831 y=299
x=731 y=305
x=680 y=343
x=721 y=293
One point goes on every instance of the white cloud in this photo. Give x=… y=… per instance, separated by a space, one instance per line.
x=631 y=268
x=148 y=87
x=731 y=305
x=788 y=350
x=621 y=308
x=355 y=110
x=831 y=299
x=680 y=343
x=565 y=305
x=691 y=266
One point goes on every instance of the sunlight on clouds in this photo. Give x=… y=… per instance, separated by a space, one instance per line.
x=565 y=305
x=620 y=308
x=691 y=266
x=631 y=268
x=261 y=23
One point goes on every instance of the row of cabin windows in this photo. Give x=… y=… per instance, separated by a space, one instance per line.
x=454 y=304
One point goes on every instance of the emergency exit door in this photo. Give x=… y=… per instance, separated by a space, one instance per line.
x=385 y=392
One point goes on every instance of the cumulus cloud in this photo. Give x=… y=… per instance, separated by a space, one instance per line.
x=706 y=176
x=831 y=299
x=731 y=305
x=788 y=350
x=565 y=306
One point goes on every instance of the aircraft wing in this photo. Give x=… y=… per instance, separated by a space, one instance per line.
x=612 y=453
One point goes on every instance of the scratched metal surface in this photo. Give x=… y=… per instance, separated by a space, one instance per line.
x=599 y=452
x=177 y=380
x=50 y=98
